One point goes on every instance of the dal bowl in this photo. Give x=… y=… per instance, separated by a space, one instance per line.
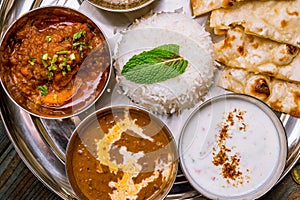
x=121 y=152
x=55 y=62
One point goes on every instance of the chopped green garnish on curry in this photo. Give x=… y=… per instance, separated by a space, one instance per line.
x=48 y=38
x=72 y=56
x=43 y=90
x=45 y=65
x=63 y=52
x=54 y=59
x=78 y=35
x=45 y=56
x=52 y=67
x=50 y=74
x=32 y=61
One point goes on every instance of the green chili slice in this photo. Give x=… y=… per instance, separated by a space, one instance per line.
x=48 y=38
x=78 y=35
x=63 y=52
x=43 y=90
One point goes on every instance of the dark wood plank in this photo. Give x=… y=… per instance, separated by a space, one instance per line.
x=16 y=180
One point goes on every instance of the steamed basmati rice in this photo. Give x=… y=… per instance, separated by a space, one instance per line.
x=183 y=91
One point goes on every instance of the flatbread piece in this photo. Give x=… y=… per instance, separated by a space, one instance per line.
x=258 y=55
x=280 y=95
x=200 y=7
x=276 y=20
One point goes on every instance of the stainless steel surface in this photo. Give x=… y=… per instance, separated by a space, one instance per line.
x=41 y=143
x=114 y=6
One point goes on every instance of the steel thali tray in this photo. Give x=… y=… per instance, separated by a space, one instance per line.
x=41 y=143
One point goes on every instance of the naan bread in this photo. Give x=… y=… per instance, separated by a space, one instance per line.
x=200 y=7
x=280 y=95
x=276 y=20
x=258 y=55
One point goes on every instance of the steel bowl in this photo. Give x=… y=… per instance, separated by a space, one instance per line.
x=135 y=151
x=92 y=76
x=233 y=147
x=120 y=5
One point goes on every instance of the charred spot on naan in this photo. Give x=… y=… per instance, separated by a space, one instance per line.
x=296 y=96
x=259 y=87
x=283 y=23
x=234 y=37
x=195 y=4
x=241 y=49
x=228 y=41
x=228 y=3
x=276 y=105
x=285 y=54
x=253 y=42
x=295 y=111
x=292 y=49
x=292 y=13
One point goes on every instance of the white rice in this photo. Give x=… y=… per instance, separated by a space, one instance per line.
x=183 y=91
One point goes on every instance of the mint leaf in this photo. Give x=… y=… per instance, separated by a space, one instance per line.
x=157 y=65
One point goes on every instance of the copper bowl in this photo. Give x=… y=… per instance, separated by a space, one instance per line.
x=86 y=84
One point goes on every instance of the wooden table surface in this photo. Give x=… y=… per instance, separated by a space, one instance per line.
x=17 y=181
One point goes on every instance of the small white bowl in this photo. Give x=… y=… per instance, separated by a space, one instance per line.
x=233 y=147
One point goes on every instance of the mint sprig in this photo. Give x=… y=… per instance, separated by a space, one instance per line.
x=159 y=64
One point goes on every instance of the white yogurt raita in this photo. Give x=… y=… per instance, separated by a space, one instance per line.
x=233 y=148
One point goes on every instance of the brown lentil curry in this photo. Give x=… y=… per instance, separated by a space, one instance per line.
x=119 y=4
x=96 y=179
x=54 y=62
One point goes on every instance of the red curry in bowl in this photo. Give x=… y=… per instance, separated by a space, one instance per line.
x=121 y=153
x=55 y=62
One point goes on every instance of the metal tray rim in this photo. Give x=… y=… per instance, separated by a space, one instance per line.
x=47 y=180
